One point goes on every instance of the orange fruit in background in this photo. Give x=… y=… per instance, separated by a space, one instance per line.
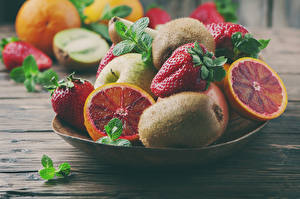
x=255 y=90
x=117 y=100
x=39 y=20
x=95 y=10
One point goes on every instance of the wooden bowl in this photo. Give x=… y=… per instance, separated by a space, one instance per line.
x=238 y=132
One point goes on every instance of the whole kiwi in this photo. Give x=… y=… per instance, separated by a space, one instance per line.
x=177 y=33
x=186 y=119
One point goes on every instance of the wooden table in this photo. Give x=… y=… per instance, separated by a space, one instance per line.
x=268 y=167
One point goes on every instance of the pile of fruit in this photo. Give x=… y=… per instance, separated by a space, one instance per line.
x=173 y=86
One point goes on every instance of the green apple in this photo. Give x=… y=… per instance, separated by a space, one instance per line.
x=128 y=68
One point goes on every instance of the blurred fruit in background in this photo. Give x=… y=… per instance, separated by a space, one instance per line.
x=39 y=20
x=95 y=11
x=157 y=16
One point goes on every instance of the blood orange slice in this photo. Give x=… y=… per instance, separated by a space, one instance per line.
x=255 y=90
x=117 y=100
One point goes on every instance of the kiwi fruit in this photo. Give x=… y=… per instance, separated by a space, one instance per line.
x=177 y=33
x=186 y=119
x=79 y=49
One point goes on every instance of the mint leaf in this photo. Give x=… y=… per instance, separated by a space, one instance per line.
x=121 y=29
x=119 y=11
x=47 y=77
x=46 y=161
x=123 y=47
x=114 y=128
x=104 y=140
x=30 y=84
x=30 y=67
x=64 y=170
x=122 y=142
x=80 y=5
x=17 y=74
x=47 y=173
x=146 y=40
x=139 y=26
x=100 y=29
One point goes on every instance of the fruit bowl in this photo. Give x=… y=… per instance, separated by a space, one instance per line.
x=239 y=131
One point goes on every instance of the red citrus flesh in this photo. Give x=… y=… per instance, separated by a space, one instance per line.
x=117 y=100
x=255 y=90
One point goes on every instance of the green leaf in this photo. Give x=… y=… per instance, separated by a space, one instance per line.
x=114 y=128
x=197 y=60
x=17 y=74
x=220 y=61
x=139 y=26
x=46 y=161
x=264 y=43
x=146 y=40
x=101 y=29
x=208 y=62
x=64 y=170
x=204 y=73
x=122 y=142
x=47 y=173
x=47 y=77
x=249 y=46
x=119 y=11
x=121 y=29
x=30 y=67
x=80 y=5
x=227 y=9
x=219 y=74
x=123 y=47
x=30 y=84
x=104 y=140
x=236 y=38
x=146 y=57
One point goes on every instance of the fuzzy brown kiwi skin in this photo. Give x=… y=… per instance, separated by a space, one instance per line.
x=186 y=119
x=65 y=60
x=177 y=33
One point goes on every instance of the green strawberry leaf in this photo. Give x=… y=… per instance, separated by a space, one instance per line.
x=204 y=72
x=125 y=46
x=17 y=74
x=208 y=62
x=122 y=142
x=47 y=173
x=64 y=170
x=104 y=140
x=219 y=74
x=220 y=61
x=46 y=161
x=264 y=43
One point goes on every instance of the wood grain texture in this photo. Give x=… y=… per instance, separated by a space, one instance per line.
x=268 y=167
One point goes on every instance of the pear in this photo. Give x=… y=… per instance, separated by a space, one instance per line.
x=186 y=119
x=128 y=68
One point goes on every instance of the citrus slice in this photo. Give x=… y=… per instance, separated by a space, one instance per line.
x=255 y=90
x=117 y=100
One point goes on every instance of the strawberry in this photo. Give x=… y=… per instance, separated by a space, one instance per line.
x=106 y=59
x=14 y=54
x=68 y=98
x=234 y=41
x=215 y=12
x=185 y=68
x=157 y=16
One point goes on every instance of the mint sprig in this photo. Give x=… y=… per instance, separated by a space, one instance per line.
x=5 y=41
x=227 y=9
x=134 y=39
x=118 y=11
x=211 y=67
x=49 y=172
x=114 y=130
x=30 y=75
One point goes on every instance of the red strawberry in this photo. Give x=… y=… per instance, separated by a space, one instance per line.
x=14 y=54
x=68 y=100
x=106 y=59
x=157 y=16
x=222 y=33
x=215 y=12
x=180 y=71
x=234 y=41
